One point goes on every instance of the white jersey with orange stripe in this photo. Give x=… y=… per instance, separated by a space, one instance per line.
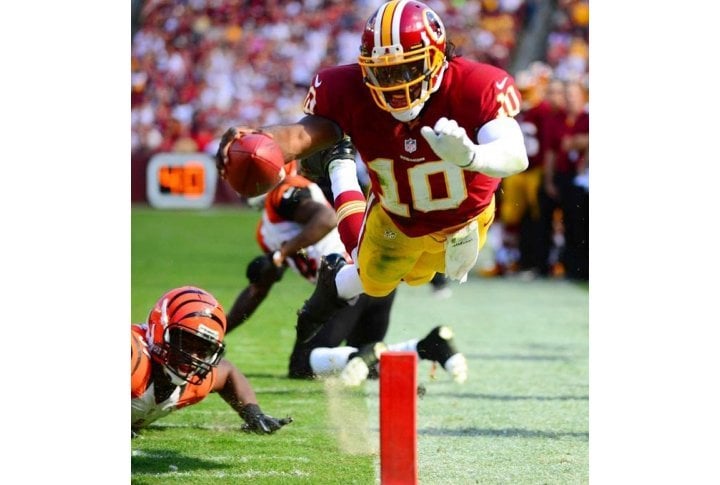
x=272 y=234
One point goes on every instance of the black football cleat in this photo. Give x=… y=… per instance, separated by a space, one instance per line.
x=324 y=301
x=439 y=345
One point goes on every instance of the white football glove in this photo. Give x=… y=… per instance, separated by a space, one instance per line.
x=450 y=142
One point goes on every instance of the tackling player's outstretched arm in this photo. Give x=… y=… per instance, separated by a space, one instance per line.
x=317 y=220
x=236 y=390
x=233 y=386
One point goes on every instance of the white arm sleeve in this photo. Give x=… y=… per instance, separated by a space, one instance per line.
x=501 y=150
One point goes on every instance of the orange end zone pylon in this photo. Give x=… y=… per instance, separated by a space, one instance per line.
x=398 y=418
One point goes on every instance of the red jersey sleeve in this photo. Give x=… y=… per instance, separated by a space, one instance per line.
x=483 y=93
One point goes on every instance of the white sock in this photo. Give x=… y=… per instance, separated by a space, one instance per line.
x=328 y=360
x=407 y=346
x=343 y=176
x=348 y=282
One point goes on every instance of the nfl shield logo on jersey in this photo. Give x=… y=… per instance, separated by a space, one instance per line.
x=410 y=145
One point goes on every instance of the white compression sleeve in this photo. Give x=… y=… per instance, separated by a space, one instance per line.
x=343 y=177
x=501 y=150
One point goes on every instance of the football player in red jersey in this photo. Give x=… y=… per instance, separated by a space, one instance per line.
x=176 y=361
x=437 y=133
x=297 y=228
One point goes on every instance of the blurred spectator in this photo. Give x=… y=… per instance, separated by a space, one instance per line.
x=568 y=43
x=198 y=66
x=519 y=208
x=566 y=157
x=205 y=64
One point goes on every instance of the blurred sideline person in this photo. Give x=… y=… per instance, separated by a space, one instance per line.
x=550 y=236
x=437 y=133
x=519 y=210
x=297 y=228
x=568 y=143
x=176 y=361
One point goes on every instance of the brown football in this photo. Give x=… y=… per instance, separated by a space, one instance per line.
x=255 y=164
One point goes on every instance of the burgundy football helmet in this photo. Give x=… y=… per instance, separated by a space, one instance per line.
x=402 y=56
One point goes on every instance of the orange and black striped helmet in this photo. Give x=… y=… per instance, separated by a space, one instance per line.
x=186 y=329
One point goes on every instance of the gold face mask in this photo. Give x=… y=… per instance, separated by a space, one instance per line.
x=400 y=81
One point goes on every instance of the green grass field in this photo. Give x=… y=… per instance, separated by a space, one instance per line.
x=522 y=416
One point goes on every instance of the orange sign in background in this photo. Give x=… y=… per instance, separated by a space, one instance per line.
x=187 y=180
x=181 y=181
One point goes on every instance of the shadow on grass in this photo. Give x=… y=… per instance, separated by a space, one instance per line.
x=291 y=392
x=500 y=397
x=206 y=427
x=561 y=358
x=166 y=461
x=503 y=433
x=549 y=347
x=267 y=375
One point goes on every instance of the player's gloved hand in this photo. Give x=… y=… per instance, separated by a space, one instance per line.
x=227 y=138
x=264 y=271
x=450 y=142
x=221 y=155
x=258 y=422
x=315 y=167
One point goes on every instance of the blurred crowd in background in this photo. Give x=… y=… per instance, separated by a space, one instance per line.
x=200 y=66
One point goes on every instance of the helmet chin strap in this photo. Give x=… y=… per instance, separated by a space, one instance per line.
x=408 y=114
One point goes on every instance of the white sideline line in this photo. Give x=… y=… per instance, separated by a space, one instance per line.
x=218 y=413
x=248 y=474
x=230 y=412
x=208 y=427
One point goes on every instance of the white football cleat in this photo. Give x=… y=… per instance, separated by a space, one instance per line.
x=457 y=367
x=358 y=367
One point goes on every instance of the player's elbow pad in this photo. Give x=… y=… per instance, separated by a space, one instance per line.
x=501 y=150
